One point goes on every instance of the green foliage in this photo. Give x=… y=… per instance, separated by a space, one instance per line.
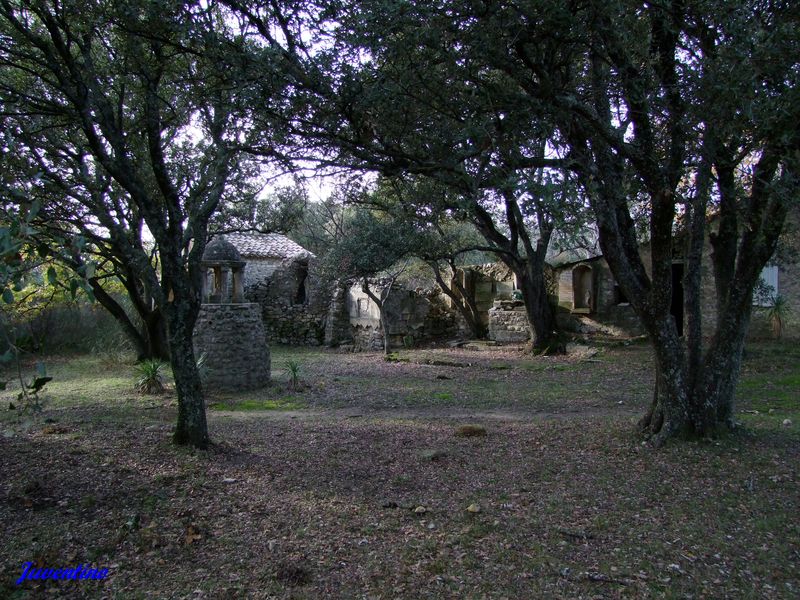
x=293 y=373
x=776 y=314
x=374 y=245
x=150 y=379
x=28 y=397
x=288 y=403
x=15 y=233
x=281 y=211
x=202 y=366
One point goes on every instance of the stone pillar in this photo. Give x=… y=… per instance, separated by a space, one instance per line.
x=238 y=286
x=204 y=294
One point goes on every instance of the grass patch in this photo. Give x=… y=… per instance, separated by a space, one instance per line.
x=770 y=379
x=288 y=403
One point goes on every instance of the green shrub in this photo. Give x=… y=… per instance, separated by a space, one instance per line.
x=149 y=376
x=203 y=369
x=293 y=373
x=776 y=314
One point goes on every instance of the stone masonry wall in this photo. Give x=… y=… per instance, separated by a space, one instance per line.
x=259 y=269
x=232 y=337
x=760 y=327
x=508 y=323
x=412 y=315
x=338 y=330
x=294 y=308
x=367 y=338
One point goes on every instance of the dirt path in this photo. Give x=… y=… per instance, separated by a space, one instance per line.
x=455 y=414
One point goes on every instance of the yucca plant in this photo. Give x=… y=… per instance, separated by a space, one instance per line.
x=202 y=366
x=293 y=372
x=149 y=376
x=776 y=314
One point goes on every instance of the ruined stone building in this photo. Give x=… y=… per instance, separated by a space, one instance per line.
x=280 y=277
x=588 y=297
x=499 y=303
x=590 y=301
x=296 y=309
x=413 y=316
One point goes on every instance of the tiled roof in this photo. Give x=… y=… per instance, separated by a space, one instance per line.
x=266 y=245
x=568 y=257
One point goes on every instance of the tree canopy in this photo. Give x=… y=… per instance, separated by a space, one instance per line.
x=135 y=118
x=682 y=115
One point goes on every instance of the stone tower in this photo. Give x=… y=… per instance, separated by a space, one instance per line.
x=229 y=331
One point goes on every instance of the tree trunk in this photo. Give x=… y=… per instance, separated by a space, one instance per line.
x=463 y=300
x=715 y=391
x=191 y=428
x=669 y=411
x=157 y=343
x=384 y=329
x=149 y=340
x=380 y=302
x=541 y=316
x=527 y=266
x=121 y=317
x=695 y=218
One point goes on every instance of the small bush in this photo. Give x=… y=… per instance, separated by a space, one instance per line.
x=777 y=314
x=293 y=373
x=149 y=376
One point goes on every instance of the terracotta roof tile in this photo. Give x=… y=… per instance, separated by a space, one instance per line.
x=266 y=245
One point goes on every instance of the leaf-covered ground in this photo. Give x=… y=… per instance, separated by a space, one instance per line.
x=363 y=489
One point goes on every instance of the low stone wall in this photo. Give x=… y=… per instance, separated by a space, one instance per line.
x=232 y=338
x=367 y=338
x=293 y=325
x=413 y=316
x=508 y=323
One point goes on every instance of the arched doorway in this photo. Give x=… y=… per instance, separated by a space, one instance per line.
x=582 y=288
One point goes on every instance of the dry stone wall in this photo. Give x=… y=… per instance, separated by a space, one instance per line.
x=508 y=322
x=232 y=338
x=338 y=330
x=293 y=305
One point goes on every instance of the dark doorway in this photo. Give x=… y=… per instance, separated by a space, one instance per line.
x=300 y=295
x=676 y=308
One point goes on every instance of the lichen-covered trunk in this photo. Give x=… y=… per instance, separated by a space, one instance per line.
x=669 y=410
x=715 y=390
x=541 y=316
x=701 y=405
x=191 y=428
